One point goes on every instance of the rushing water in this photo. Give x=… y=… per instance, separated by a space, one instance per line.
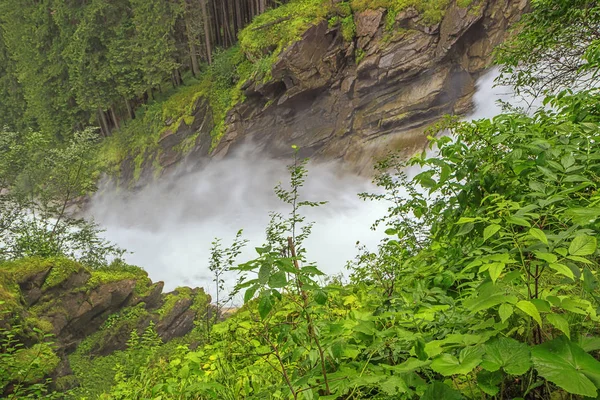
x=168 y=227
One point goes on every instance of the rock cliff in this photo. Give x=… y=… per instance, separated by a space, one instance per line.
x=354 y=100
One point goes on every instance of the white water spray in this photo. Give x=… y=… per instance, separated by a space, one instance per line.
x=169 y=226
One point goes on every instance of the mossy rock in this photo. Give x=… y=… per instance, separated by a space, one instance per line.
x=32 y=364
x=119 y=272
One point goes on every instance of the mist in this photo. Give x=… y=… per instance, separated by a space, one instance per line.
x=167 y=227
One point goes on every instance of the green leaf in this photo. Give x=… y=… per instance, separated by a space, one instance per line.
x=559 y=323
x=393 y=385
x=490 y=231
x=447 y=364
x=508 y=354
x=590 y=283
x=312 y=270
x=582 y=245
x=539 y=235
x=465 y=220
x=466 y=228
x=518 y=221
x=320 y=296
x=250 y=292
x=495 y=269
x=264 y=273
x=530 y=309
x=278 y=280
x=548 y=173
x=562 y=269
x=441 y=391
x=265 y=306
x=567 y=365
x=589 y=343
x=488 y=381
x=548 y=257
x=505 y=311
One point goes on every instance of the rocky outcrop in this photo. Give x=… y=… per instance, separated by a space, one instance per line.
x=348 y=101
x=103 y=307
x=355 y=101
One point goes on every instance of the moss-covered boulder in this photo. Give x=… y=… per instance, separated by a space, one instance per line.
x=97 y=307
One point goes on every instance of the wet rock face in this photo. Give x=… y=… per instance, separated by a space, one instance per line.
x=406 y=79
x=75 y=303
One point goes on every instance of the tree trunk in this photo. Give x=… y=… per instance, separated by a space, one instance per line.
x=114 y=117
x=129 y=109
x=103 y=123
x=206 y=23
x=192 y=45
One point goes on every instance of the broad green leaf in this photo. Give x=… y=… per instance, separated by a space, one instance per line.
x=441 y=391
x=410 y=365
x=320 y=296
x=562 y=269
x=559 y=323
x=539 y=235
x=466 y=228
x=530 y=309
x=580 y=259
x=264 y=273
x=582 y=245
x=488 y=381
x=495 y=270
x=278 y=280
x=541 y=305
x=393 y=385
x=490 y=231
x=546 y=171
x=447 y=365
x=508 y=354
x=505 y=311
x=312 y=270
x=567 y=365
x=249 y=294
x=518 y=221
x=584 y=216
x=589 y=343
x=567 y=161
x=548 y=257
x=465 y=220
x=590 y=283
x=265 y=306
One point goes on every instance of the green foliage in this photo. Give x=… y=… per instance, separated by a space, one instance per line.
x=487 y=284
x=556 y=48
x=40 y=181
x=431 y=10
x=25 y=369
x=273 y=31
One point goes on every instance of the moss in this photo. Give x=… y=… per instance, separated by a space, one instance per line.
x=119 y=271
x=34 y=363
x=66 y=382
x=359 y=55
x=40 y=323
x=276 y=29
x=431 y=10
x=23 y=269
x=172 y=299
x=62 y=269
